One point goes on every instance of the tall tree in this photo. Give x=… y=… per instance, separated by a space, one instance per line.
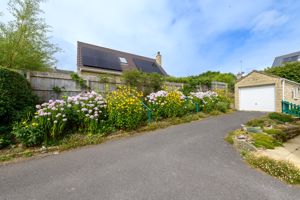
x=290 y=70
x=24 y=41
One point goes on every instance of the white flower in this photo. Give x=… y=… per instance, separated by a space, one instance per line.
x=55 y=122
x=38 y=106
x=64 y=119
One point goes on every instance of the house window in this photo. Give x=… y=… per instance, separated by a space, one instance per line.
x=295 y=93
x=123 y=60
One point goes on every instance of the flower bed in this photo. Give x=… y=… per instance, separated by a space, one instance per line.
x=123 y=109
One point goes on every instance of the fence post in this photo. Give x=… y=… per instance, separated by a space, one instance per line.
x=28 y=76
x=197 y=107
x=149 y=112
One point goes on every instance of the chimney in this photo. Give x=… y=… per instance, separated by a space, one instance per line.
x=239 y=75
x=158 y=58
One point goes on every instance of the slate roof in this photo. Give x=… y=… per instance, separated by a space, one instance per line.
x=291 y=57
x=97 y=57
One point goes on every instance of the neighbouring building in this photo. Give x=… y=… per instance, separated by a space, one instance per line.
x=259 y=91
x=292 y=57
x=96 y=60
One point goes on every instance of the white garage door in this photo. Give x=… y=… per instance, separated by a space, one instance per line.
x=260 y=98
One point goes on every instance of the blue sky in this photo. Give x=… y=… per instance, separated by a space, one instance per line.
x=193 y=36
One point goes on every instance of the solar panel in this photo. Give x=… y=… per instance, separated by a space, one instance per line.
x=100 y=59
x=147 y=66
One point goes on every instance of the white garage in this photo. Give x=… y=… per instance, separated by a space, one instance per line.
x=259 y=91
x=258 y=98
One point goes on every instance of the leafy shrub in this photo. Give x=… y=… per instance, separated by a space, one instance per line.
x=166 y=104
x=16 y=97
x=261 y=140
x=256 y=123
x=206 y=100
x=277 y=134
x=281 y=169
x=125 y=109
x=280 y=117
x=146 y=82
x=289 y=71
x=222 y=106
x=29 y=134
x=87 y=110
x=84 y=112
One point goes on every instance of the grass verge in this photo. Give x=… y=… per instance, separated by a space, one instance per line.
x=282 y=170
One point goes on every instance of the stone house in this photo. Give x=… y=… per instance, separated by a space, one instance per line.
x=96 y=60
x=259 y=91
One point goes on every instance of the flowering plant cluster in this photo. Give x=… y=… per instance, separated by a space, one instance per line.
x=205 y=100
x=125 y=108
x=166 y=103
x=88 y=110
x=51 y=116
x=83 y=112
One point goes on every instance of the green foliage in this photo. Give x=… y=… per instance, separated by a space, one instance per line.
x=125 y=109
x=166 y=104
x=281 y=117
x=29 y=134
x=146 y=82
x=261 y=140
x=192 y=82
x=16 y=100
x=80 y=81
x=277 y=134
x=24 y=41
x=229 y=137
x=256 y=123
x=281 y=169
x=57 y=90
x=288 y=70
x=222 y=106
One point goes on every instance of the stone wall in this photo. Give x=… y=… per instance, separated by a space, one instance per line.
x=288 y=92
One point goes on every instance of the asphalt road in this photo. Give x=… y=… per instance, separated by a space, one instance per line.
x=189 y=161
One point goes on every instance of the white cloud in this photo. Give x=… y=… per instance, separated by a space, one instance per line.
x=193 y=36
x=268 y=20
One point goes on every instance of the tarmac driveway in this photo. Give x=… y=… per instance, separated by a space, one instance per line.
x=189 y=161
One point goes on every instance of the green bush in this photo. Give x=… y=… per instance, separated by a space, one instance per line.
x=280 y=117
x=125 y=109
x=281 y=169
x=16 y=99
x=166 y=104
x=277 y=134
x=222 y=106
x=256 y=123
x=261 y=140
x=29 y=134
x=146 y=82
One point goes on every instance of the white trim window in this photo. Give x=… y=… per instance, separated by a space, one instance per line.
x=295 y=93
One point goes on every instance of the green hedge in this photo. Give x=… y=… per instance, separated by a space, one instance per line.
x=16 y=99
